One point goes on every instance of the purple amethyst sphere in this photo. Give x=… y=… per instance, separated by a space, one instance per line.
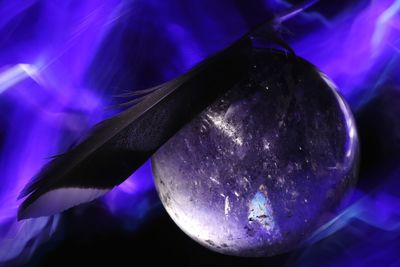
x=261 y=168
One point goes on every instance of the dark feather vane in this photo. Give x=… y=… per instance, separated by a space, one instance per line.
x=118 y=146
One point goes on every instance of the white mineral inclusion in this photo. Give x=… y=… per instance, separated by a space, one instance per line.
x=223 y=125
x=260 y=211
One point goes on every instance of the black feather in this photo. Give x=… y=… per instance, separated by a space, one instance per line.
x=120 y=145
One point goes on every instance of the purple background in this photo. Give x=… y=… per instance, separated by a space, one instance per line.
x=61 y=63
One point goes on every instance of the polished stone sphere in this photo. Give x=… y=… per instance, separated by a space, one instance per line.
x=268 y=162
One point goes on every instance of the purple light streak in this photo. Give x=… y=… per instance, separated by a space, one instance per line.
x=353 y=49
x=44 y=102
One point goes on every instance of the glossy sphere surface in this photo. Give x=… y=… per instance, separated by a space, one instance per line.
x=257 y=171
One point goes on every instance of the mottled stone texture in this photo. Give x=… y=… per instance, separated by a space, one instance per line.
x=257 y=171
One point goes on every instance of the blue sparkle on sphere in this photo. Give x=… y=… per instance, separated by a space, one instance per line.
x=266 y=164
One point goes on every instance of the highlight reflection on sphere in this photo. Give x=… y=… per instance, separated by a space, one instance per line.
x=261 y=167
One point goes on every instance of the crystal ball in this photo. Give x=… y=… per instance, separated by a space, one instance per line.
x=261 y=168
